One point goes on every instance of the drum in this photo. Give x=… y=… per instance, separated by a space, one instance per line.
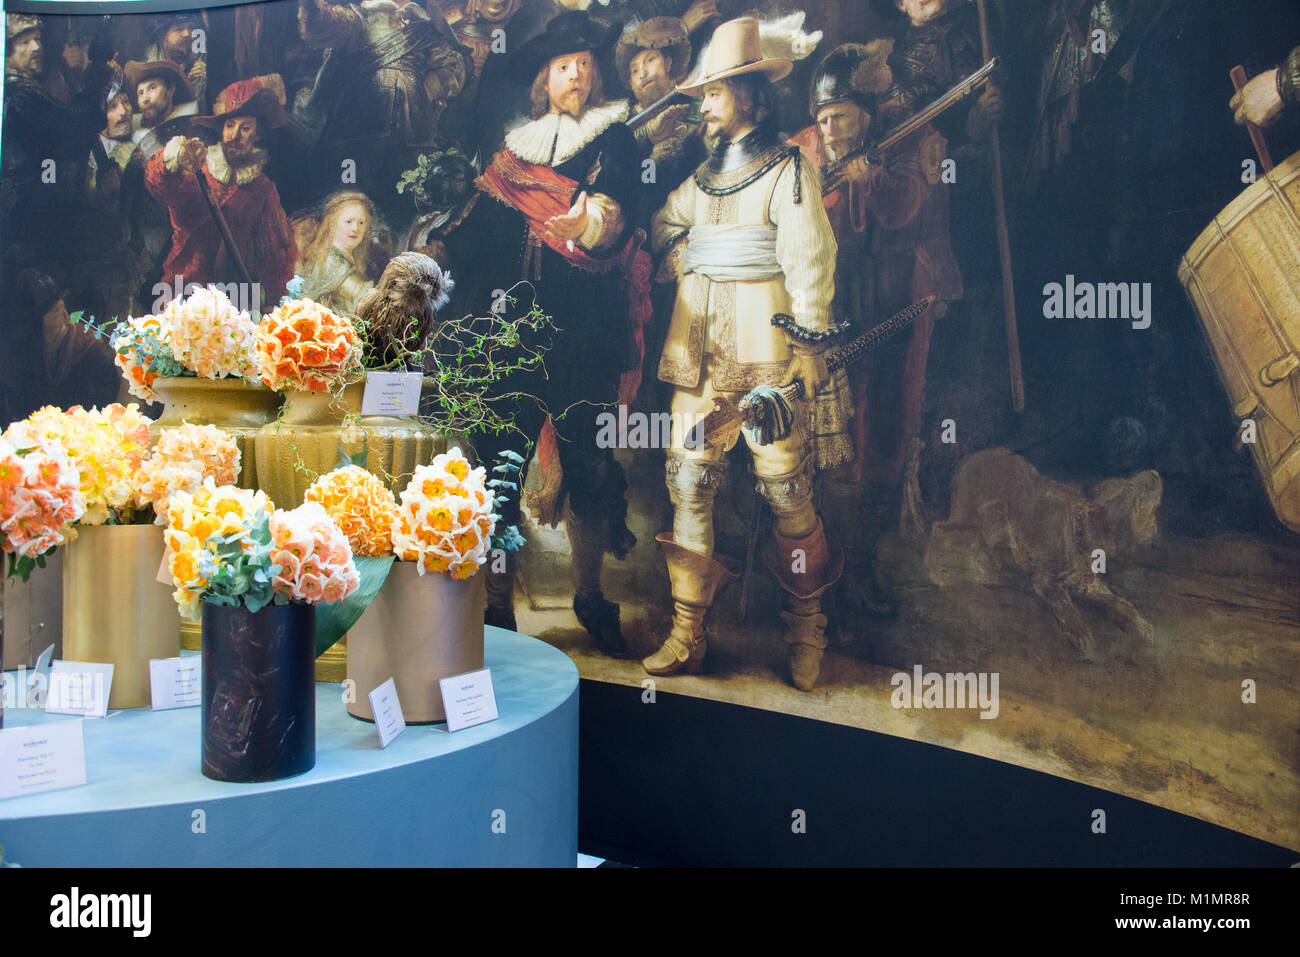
x=1243 y=277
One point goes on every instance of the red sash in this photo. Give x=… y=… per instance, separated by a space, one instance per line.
x=539 y=193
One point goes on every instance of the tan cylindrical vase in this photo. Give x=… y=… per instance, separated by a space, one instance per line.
x=115 y=611
x=418 y=630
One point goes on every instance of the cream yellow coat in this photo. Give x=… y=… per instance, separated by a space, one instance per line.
x=747 y=350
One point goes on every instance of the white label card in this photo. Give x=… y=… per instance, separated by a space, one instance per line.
x=44 y=757
x=79 y=687
x=392 y=393
x=389 y=720
x=174 y=682
x=469 y=699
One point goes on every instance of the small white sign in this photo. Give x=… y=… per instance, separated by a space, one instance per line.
x=79 y=687
x=468 y=699
x=392 y=393
x=174 y=682
x=44 y=757
x=389 y=720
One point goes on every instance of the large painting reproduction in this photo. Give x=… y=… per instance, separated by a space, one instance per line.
x=924 y=366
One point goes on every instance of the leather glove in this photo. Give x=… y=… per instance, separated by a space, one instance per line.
x=809 y=367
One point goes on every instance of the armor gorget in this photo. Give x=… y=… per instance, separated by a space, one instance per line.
x=734 y=166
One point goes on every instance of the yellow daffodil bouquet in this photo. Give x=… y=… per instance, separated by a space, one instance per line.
x=231 y=546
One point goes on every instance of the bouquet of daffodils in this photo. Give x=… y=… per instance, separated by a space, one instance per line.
x=444 y=524
x=107 y=448
x=120 y=480
x=201 y=335
x=183 y=458
x=445 y=520
x=231 y=546
x=40 y=496
x=302 y=345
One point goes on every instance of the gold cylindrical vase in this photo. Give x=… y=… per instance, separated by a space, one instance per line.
x=418 y=630
x=115 y=611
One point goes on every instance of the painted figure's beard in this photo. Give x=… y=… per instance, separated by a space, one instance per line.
x=718 y=141
x=245 y=158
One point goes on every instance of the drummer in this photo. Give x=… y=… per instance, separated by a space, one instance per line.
x=1262 y=99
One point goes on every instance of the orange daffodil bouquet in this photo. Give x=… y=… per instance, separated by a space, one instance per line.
x=231 y=546
x=304 y=346
x=40 y=496
x=361 y=505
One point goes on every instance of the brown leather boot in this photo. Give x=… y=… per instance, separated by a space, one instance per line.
x=695 y=580
x=805 y=568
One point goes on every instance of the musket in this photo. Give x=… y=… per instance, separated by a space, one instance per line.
x=668 y=99
x=833 y=175
x=721 y=426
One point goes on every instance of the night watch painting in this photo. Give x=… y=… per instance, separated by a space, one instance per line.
x=930 y=367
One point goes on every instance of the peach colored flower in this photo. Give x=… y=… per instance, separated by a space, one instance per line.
x=182 y=459
x=297 y=536
x=209 y=336
x=40 y=494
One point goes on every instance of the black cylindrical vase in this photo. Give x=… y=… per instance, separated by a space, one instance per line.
x=259 y=692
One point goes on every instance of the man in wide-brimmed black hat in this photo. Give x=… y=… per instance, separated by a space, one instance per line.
x=248 y=200
x=552 y=210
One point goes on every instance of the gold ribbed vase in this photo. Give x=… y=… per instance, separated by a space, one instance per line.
x=232 y=405
x=115 y=611
x=313 y=432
